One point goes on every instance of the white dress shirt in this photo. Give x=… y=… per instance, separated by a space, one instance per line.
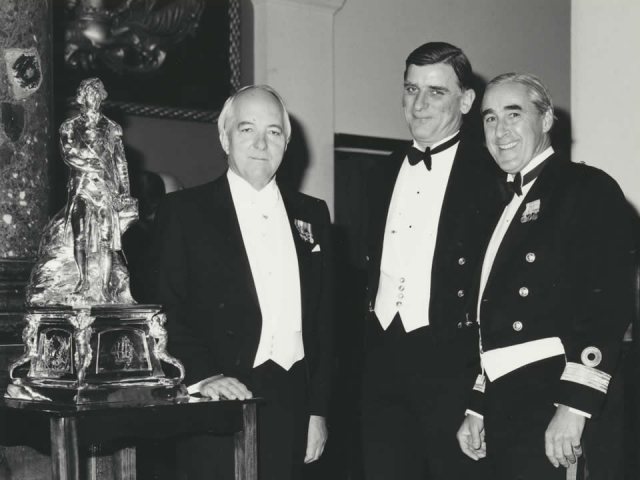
x=410 y=240
x=268 y=241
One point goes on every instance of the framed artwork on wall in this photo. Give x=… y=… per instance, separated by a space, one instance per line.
x=163 y=58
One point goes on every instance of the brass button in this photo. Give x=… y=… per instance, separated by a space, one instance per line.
x=517 y=326
x=401 y=288
x=531 y=257
x=398 y=304
x=462 y=261
x=524 y=291
x=460 y=293
x=460 y=325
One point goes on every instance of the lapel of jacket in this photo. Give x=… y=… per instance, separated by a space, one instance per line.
x=542 y=190
x=463 y=181
x=303 y=250
x=220 y=222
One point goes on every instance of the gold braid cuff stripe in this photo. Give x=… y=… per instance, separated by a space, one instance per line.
x=587 y=376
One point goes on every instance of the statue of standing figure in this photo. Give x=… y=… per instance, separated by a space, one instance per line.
x=98 y=211
x=98 y=187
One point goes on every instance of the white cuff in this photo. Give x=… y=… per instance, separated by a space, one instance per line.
x=475 y=414
x=576 y=411
x=580 y=412
x=195 y=388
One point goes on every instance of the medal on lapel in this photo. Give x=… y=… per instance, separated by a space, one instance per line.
x=304 y=229
x=531 y=211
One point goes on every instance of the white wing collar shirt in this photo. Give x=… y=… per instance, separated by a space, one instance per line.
x=410 y=240
x=268 y=241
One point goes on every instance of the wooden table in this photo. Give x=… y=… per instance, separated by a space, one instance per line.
x=74 y=426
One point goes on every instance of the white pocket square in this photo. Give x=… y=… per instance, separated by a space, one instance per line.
x=316 y=248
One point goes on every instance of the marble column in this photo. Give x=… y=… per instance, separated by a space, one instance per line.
x=26 y=146
x=26 y=133
x=26 y=142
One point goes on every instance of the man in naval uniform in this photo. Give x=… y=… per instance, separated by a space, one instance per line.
x=554 y=297
x=243 y=271
x=430 y=207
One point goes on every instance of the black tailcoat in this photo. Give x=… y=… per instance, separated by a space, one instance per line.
x=415 y=383
x=471 y=201
x=203 y=279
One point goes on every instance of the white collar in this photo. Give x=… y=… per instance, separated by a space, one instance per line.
x=446 y=139
x=243 y=192
x=537 y=160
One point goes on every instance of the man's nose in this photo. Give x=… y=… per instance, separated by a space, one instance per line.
x=422 y=102
x=501 y=128
x=261 y=141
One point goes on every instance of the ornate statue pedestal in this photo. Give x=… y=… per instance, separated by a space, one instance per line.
x=95 y=354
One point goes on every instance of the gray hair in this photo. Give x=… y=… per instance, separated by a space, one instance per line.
x=227 y=109
x=538 y=93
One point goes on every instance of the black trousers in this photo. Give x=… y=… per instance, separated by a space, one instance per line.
x=415 y=393
x=518 y=409
x=283 y=423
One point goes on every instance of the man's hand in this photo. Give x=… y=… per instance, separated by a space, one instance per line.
x=562 y=438
x=471 y=437
x=316 y=438
x=224 y=387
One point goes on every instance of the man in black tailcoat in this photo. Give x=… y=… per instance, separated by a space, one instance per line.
x=430 y=208
x=243 y=269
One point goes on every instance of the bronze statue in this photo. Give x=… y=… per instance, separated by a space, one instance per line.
x=79 y=260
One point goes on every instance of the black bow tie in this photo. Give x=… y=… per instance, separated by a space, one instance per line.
x=416 y=156
x=515 y=188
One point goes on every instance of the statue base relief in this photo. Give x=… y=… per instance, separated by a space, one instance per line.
x=95 y=354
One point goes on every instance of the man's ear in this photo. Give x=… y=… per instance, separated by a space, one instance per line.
x=224 y=141
x=547 y=121
x=468 y=96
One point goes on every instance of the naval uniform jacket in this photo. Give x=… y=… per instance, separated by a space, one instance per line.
x=471 y=202
x=204 y=281
x=564 y=269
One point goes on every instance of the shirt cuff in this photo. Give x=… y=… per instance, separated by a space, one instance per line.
x=195 y=388
x=580 y=412
x=475 y=414
x=576 y=411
